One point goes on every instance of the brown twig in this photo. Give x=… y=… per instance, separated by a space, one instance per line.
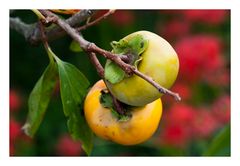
x=113 y=57
x=95 y=21
x=156 y=85
x=97 y=64
x=21 y=27
x=91 y=47
x=44 y=38
x=117 y=105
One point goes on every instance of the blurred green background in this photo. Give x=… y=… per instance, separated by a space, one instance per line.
x=198 y=125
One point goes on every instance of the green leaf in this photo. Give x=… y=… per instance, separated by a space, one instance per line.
x=74 y=87
x=39 y=99
x=132 y=47
x=75 y=47
x=220 y=145
x=113 y=73
x=80 y=130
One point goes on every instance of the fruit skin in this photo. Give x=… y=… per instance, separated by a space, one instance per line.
x=160 y=61
x=140 y=127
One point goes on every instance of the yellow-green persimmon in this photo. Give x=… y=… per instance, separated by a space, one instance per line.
x=159 y=61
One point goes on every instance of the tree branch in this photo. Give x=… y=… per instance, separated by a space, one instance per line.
x=91 y=47
x=57 y=32
x=32 y=33
x=21 y=27
x=97 y=64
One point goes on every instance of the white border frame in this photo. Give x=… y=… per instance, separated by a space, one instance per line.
x=120 y=4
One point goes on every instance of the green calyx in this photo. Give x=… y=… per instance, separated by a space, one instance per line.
x=132 y=47
x=107 y=102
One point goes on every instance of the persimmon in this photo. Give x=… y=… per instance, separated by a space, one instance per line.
x=139 y=127
x=158 y=60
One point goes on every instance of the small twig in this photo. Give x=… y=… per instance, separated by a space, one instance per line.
x=97 y=64
x=45 y=42
x=31 y=32
x=113 y=57
x=95 y=21
x=118 y=105
x=21 y=27
x=44 y=38
x=79 y=17
x=156 y=85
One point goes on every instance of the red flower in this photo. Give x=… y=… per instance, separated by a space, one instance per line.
x=183 y=90
x=200 y=57
x=176 y=135
x=220 y=78
x=14 y=100
x=173 y=29
x=204 y=124
x=15 y=130
x=206 y=16
x=66 y=146
x=221 y=109
x=180 y=114
x=177 y=130
x=122 y=17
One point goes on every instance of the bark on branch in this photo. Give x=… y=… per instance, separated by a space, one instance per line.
x=32 y=33
x=21 y=27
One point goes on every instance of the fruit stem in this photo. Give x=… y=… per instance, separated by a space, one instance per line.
x=117 y=105
x=93 y=58
x=51 y=55
x=39 y=15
